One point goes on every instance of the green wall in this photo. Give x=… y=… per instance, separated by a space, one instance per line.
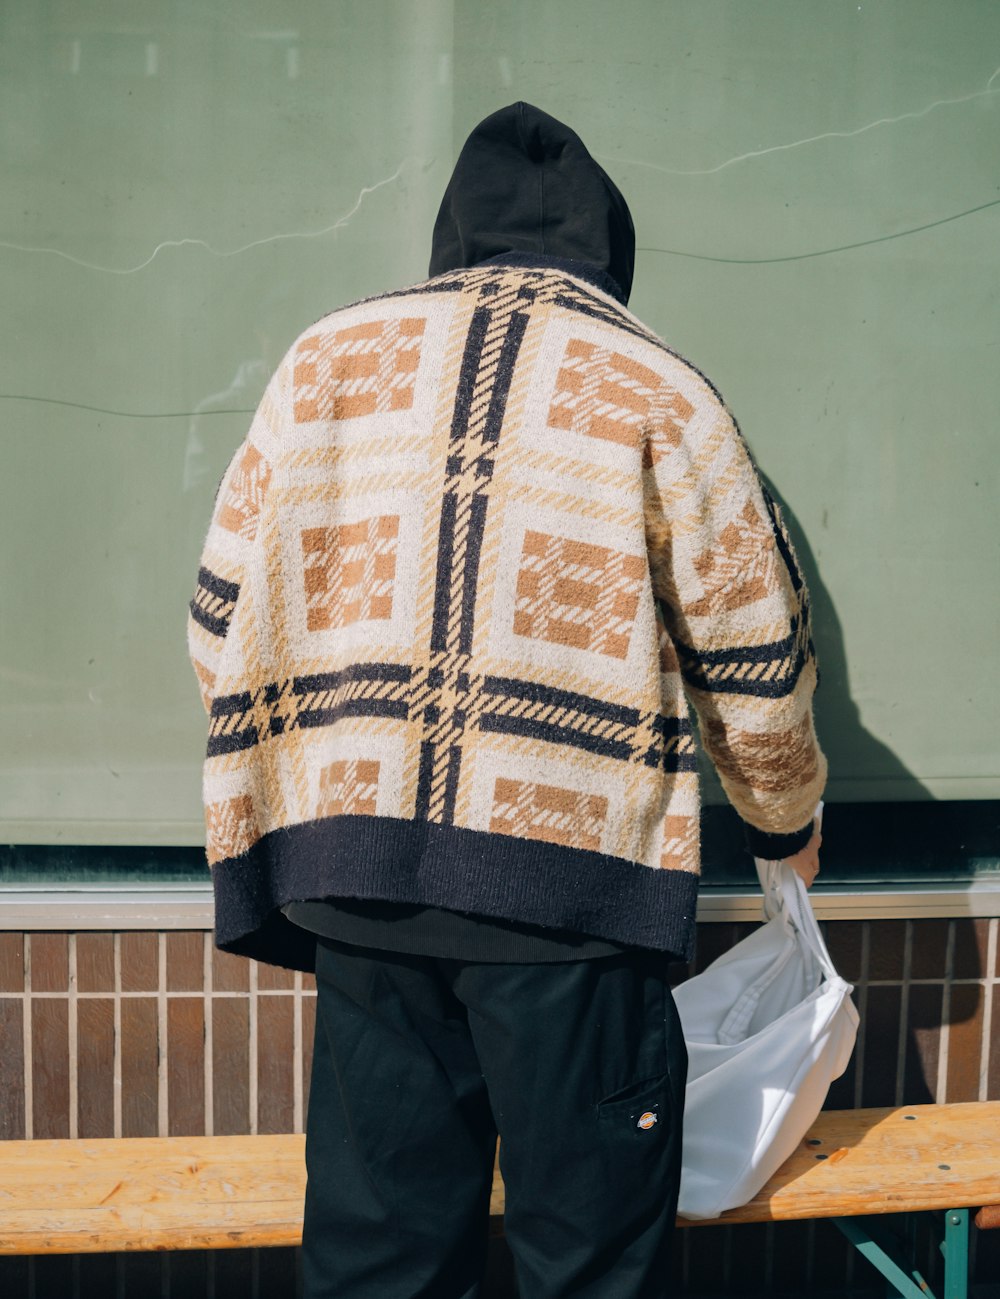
x=187 y=185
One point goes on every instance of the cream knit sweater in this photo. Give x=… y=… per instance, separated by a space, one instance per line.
x=484 y=541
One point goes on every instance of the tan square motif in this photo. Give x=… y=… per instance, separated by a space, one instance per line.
x=603 y=394
x=740 y=569
x=680 y=851
x=245 y=495
x=230 y=828
x=577 y=594
x=367 y=369
x=349 y=572
x=348 y=787
x=533 y=811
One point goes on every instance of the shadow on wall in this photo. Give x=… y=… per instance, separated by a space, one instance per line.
x=855 y=753
x=923 y=997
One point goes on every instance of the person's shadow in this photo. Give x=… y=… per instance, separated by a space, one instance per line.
x=905 y=829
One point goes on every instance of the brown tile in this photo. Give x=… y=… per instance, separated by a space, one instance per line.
x=965 y=1042
x=11 y=1069
x=971 y=948
x=930 y=945
x=11 y=962
x=50 y=1066
x=885 y=949
x=230 y=973
x=139 y=955
x=95 y=962
x=231 y=1065
x=844 y=940
x=275 y=1097
x=49 y=959
x=95 y=1053
x=185 y=961
x=308 y=1036
x=923 y=1044
x=881 y=1029
x=308 y=981
x=139 y=1063
x=271 y=977
x=185 y=1066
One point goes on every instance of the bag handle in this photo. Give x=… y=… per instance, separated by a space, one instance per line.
x=785 y=891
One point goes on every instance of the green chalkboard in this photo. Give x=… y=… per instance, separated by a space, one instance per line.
x=815 y=190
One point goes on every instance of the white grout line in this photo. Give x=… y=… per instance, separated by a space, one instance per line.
x=162 y=1077
x=941 y=1092
x=209 y=986
x=904 y=1011
x=117 y=1068
x=253 y=1046
x=989 y=996
x=26 y=1035
x=73 y=1040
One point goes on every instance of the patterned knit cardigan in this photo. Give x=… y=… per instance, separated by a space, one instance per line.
x=479 y=534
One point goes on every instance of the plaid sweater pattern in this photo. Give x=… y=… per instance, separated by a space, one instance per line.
x=485 y=541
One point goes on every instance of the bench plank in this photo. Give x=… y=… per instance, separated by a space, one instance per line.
x=885 y=1161
x=229 y=1192
x=85 y=1196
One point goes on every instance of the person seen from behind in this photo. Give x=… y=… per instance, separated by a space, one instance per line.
x=488 y=543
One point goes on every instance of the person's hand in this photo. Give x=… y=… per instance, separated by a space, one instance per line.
x=805 y=862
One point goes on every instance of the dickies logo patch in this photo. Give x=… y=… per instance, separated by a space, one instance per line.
x=647 y=1120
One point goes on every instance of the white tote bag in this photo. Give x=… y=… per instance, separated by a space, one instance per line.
x=768 y=1027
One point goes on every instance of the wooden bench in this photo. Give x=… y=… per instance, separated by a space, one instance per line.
x=855 y=1166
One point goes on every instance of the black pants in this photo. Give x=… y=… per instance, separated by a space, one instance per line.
x=420 y=1061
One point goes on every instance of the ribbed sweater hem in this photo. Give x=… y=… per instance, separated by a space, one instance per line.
x=776 y=847
x=492 y=875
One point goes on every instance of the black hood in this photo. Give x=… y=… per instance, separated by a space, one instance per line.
x=525 y=184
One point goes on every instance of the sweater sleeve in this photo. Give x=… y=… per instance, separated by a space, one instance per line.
x=233 y=541
x=736 y=607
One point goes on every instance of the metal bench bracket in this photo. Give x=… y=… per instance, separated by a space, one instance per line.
x=909 y=1284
